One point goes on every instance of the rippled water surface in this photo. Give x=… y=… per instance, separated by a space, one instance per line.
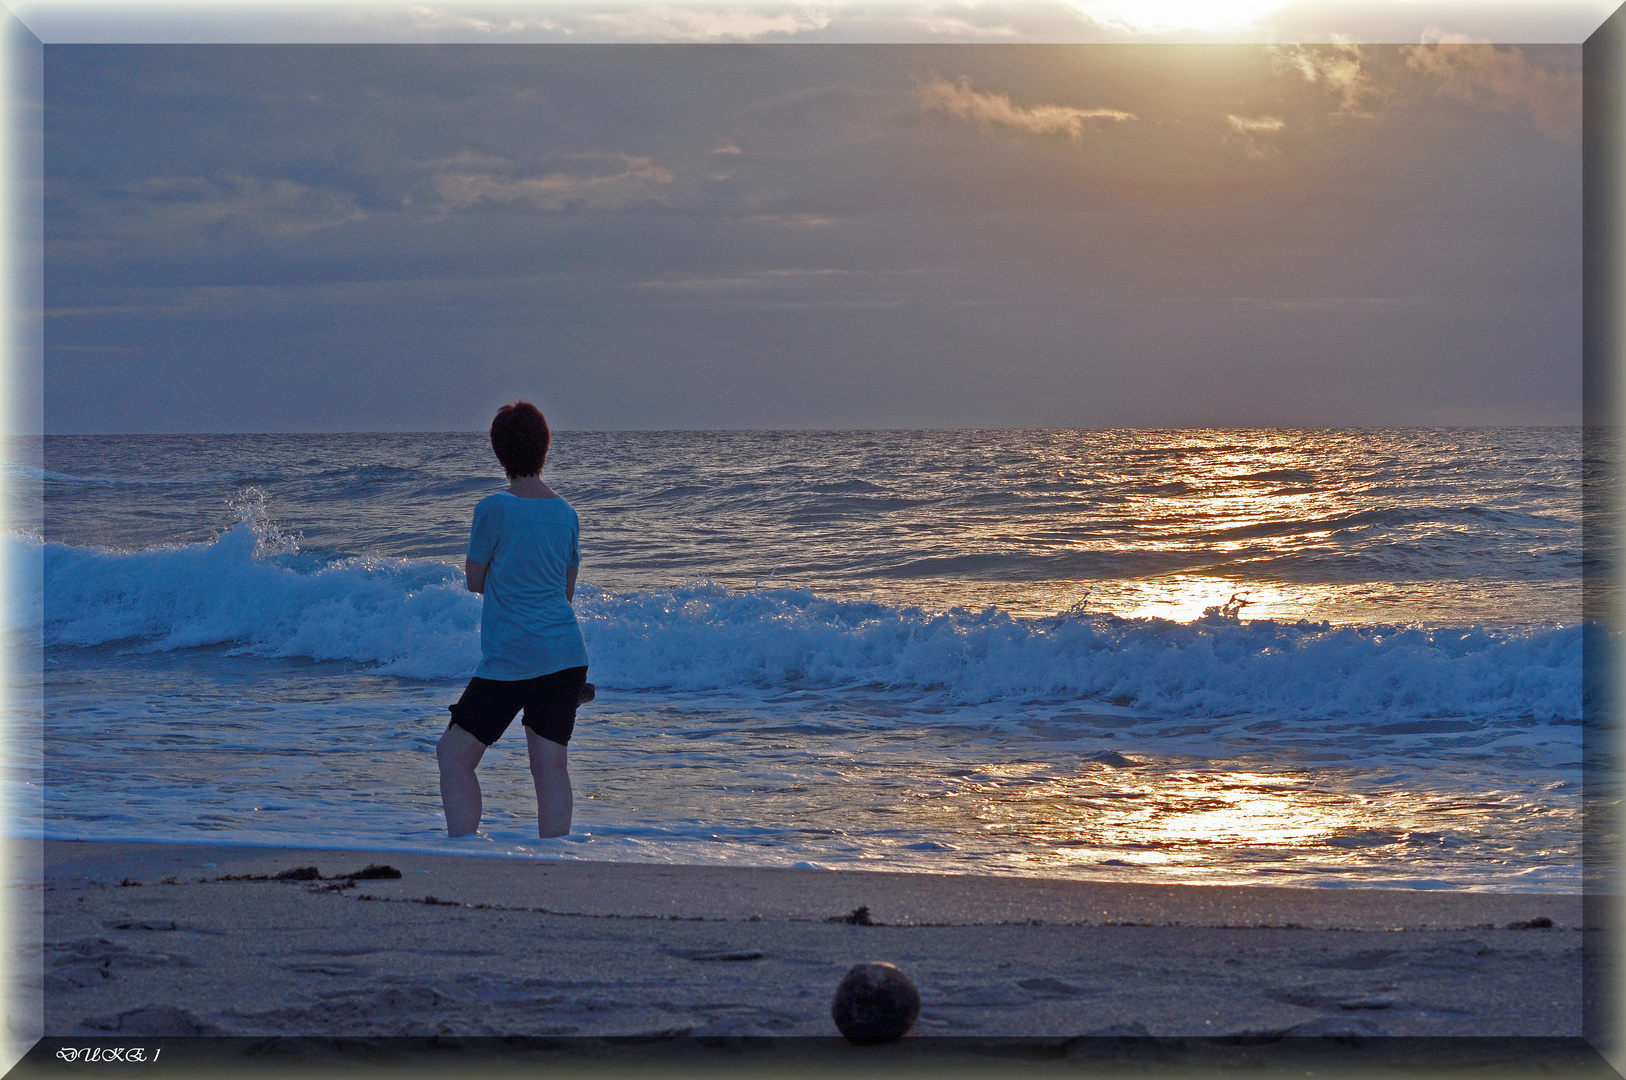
x=1347 y=657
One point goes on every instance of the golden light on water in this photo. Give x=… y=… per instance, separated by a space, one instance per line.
x=1249 y=809
x=1213 y=504
x=1201 y=825
x=1184 y=598
x=1223 y=514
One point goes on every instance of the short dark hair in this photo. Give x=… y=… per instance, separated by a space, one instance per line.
x=520 y=438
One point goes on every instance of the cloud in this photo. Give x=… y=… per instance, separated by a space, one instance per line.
x=1336 y=66
x=1253 y=125
x=962 y=29
x=797 y=221
x=1175 y=16
x=763 y=279
x=1252 y=133
x=273 y=207
x=725 y=148
x=1501 y=79
x=697 y=24
x=1435 y=35
x=963 y=103
x=434 y=23
x=599 y=181
x=841 y=101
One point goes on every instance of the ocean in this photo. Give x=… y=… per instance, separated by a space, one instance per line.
x=1322 y=658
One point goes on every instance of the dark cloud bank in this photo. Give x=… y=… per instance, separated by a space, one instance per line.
x=400 y=237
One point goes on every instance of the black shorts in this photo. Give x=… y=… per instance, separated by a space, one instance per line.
x=488 y=706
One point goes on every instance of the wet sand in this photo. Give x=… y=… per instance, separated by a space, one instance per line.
x=149 y=940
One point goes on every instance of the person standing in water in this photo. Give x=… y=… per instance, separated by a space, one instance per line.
x=524 y=550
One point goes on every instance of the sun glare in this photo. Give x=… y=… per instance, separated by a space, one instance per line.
x=1206 y=825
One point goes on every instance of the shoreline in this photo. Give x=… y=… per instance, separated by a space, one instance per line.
x=152 y=941
x=915 y=897
x=1266 y=880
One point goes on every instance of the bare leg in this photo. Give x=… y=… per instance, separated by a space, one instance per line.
x=553 y=801
x=458 y=753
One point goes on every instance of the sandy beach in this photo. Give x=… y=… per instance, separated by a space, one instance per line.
x=150 y=941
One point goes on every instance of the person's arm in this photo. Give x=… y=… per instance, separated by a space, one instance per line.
x=574 y=562
x=483 y=537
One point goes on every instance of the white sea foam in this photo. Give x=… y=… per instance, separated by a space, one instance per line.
x=408 y=617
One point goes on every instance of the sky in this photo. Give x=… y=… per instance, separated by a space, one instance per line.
x=402 y=237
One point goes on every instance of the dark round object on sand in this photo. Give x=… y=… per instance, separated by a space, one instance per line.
x=875 y=1003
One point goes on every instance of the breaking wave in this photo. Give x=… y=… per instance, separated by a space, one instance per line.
x=252 y=591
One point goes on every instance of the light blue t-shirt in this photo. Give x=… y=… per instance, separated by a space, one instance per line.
x=527 y=627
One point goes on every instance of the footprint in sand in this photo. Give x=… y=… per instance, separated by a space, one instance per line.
x=973 y=995
x=1332 y=1026
x=1132 y=1030
x=92 y=961
x=328 y=969
x=1339 y=998
x=152 y=1020
x=1049 y=988
x=716 y=954
x=1359 y=961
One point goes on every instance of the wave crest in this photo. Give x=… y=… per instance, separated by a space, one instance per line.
x=253 y=591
